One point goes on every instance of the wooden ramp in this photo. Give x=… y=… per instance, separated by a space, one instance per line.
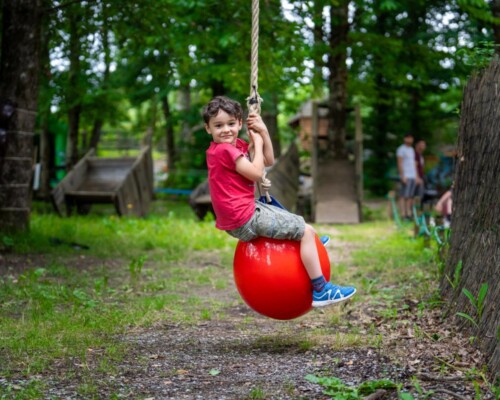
x=336 y=200
x=126 y=182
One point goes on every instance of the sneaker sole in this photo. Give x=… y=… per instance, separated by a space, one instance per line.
x=317 y=304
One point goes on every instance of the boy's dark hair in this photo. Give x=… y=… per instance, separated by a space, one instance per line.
x=232 y=107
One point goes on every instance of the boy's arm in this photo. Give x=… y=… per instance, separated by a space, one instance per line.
x=252 y=170
x=257 y=125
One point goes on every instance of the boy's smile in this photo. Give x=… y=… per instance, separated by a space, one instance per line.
x=224 y=128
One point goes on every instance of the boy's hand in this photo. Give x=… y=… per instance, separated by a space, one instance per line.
x=256 y=140
x=256 y=124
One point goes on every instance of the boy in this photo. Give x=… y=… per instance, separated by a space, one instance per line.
x=232 y=175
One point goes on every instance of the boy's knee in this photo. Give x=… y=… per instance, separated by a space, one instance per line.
x=309 y=230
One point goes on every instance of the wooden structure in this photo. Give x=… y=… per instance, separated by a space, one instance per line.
x=126 y=182
x=337 y=183
x=284 y=175
x=303 y=121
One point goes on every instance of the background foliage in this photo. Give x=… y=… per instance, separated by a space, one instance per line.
x=126 y=67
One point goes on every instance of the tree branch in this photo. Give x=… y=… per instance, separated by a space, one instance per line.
x=67 y=4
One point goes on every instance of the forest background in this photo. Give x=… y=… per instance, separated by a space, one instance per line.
x=111 y=71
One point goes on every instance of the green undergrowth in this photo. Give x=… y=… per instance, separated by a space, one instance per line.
x=77 y=284
x=388 y=263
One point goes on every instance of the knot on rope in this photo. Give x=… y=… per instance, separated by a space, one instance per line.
x=254 y=101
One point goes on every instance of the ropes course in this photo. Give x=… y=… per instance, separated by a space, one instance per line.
x=440 y=233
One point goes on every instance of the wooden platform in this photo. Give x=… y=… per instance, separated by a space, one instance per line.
x=335 y=197
x=125 y=182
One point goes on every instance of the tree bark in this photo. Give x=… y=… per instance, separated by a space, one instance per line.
x=73 y=93
x=18 y=103
x=337 y=82
x=475 y=227
x=270 y=118
x=169 y=132
x=45 y=102
x=319 y=47
x=95 y=135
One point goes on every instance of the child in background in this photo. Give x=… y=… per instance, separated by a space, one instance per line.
x=232 y=175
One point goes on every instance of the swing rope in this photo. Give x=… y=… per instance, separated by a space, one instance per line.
x=254 y=100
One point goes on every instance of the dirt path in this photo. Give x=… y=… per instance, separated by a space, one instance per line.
x=246 y=356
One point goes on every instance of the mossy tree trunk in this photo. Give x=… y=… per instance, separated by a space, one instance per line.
x=18 y=105
x=474 y=254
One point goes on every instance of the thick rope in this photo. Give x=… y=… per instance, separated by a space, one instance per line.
x=254 y=100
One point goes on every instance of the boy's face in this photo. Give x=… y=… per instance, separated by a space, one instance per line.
x=224 y=128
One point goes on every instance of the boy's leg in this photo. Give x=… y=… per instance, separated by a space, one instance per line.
x=279 y=224
x=309 y=253
x=324 y=293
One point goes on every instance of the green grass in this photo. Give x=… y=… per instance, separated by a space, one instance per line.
x=64 y=304
x=135 y=272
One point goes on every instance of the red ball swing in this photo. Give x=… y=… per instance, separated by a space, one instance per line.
x=271 y=278
x=269 y=273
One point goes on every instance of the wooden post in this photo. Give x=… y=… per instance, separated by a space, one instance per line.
x=358 y=153
x=314 y=157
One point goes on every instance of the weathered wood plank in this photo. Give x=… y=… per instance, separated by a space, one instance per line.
x=126 y=182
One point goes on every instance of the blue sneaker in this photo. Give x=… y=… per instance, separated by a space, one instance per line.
x=332 y=294
x=325 y=239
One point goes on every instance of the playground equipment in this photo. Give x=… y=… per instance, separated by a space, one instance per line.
x=271 y=278
x=337 y=191
x=424 y=224
x=125 y=182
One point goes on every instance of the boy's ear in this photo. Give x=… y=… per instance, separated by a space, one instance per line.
x=207 y=129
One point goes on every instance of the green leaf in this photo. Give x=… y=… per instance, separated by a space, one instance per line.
x=482 y=293
x=214 y=372
x=470 y=296
x=467 y=317
x=370 y=387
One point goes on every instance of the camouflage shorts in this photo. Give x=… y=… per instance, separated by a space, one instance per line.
x=273 y=222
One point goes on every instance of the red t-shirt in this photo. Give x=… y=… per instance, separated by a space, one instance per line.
x=232 y=194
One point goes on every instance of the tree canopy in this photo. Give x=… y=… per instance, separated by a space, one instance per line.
x=111 y=66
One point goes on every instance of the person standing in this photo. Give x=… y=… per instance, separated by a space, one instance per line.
x=407 y=169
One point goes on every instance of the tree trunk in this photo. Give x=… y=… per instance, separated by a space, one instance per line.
x=270 y=118
x=184 y=107
x=18 y=103
x=474 y=253
x=95 y=135
x=169 y=131
x=337 y=82
x=319 y=47
x=73 y=96
x=45 y=102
